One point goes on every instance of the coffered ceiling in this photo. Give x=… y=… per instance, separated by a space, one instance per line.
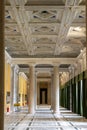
x=45 y=28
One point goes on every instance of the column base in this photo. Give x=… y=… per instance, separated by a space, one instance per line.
x=56 y=112
x=31 y=113
x=52 y=111
x=16 y=109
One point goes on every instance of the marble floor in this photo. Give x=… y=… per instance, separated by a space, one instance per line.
x=44 y=119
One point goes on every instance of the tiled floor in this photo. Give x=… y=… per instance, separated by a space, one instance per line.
x=44 y=119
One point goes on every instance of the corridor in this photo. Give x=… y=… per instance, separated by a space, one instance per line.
x=43 y=60
x=44 y=119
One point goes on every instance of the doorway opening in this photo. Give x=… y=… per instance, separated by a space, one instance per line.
x=43 y=95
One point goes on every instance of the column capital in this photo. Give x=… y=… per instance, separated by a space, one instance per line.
x=36 y=73
x=52 y=73
x=56 y=64
x=32 y=64
x=12 y=65
x=80 y=60
x=16 y=69
x=8 y=61
x=23 y=75
x=72 y=67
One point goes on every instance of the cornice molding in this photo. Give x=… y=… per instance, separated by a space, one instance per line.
x=37 y=61
x=7 y=57
x=83 y=53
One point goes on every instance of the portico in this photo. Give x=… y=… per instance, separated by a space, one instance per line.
x=40 y=90
x=43 y=55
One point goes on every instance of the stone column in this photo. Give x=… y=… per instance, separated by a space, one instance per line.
x=84 y=57
x=70 y=77
x=49 y=92
x=56 y=90
x=35 y=92
x=52 y=93
x=31 y=89
x=38 y=93
x=73 y=71
x=2 y=11
x=84 y=62
x=79 y=67
x=16 y=86
x=12 y=87
x=28 y=93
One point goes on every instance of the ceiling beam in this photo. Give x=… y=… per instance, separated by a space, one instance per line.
x=37 y=61
x=31 y=8
x=58 y=8
x=43 y=80
x=67 y=18
x=16 y=14
x=44 y=36
x=43 y=70
x=79 y=24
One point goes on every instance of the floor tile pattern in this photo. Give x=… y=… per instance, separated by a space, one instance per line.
x=44 y=119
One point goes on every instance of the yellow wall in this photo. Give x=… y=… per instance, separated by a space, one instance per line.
x=7 y=83
x=22 y=90
x=22 y=86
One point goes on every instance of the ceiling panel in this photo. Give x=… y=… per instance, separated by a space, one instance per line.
x=52 y=31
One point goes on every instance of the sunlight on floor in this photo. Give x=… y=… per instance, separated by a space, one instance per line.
x=44 y=119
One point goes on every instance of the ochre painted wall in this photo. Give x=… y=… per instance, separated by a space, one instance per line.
x=7 y=84
x=22 y=90
x=7 y=88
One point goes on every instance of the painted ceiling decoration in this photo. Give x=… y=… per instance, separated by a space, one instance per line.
x=45 y=28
